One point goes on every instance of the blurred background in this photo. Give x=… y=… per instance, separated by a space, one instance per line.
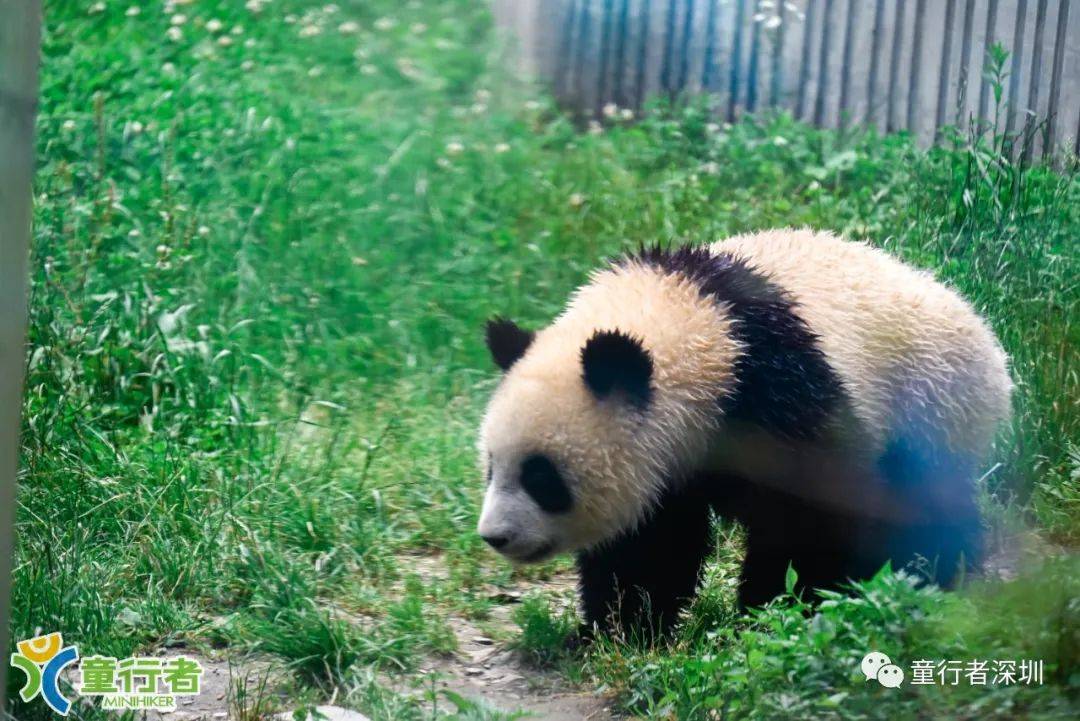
x=892 y=64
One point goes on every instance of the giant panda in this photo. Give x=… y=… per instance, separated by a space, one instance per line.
x=833 y=400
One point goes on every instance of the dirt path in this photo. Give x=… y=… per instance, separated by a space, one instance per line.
x=482 y=670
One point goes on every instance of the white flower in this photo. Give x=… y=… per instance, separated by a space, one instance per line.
x=168 y=68
x=780 y=141
x=133 y=11
x=368 y=69
x=330 y=9
x=532 y=105
x=237 y=30
x=773 y=22
x=247 y=65
x=385 y=23
x=178 y=19
x=610 y=110
x=136 y=127
x=712 y=128
x=408 y=68
x=97 y=8
x=595 y=128
x=315 y=72
x=418 y=28
x=711 y=167
x=255 y=6
x=309 y=31
x=482 y=95
x=161 y=249
x=626 y=114
x=576 y=200
x=134 y=233
x=203 y=231
x=224 y=41
x=349 y=27
x=175 y=34
x=68 y=125
x=213 y=25
x=502 y=147
x=454 y=148
x=249 y=43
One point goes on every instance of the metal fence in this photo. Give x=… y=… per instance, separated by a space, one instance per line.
x=897 y=64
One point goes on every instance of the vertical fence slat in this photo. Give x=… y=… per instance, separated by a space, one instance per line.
x=804 y=61
x=1076 y=140
x=988 y=42
x=894 y=66
x=582 y=44
x=566 y=40
x=946 y=63
x=823 y=64
x=709 y=63
x=915 y=73
x=965 y=63
x=755 y=49
x=619 y=91
x=1014 y=71
x=1036 y=74
x=643 y=53
x=605 y=50
x=875 y=62
x=1055 y=78
x=736 y=58
x=776 y=72
x=687 y=38
x=667 y=80
x=845 y=63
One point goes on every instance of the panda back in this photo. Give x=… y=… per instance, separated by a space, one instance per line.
x=915 y=359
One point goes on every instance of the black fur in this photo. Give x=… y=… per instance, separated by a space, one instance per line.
x=613 y=361
x=785 y=384
x=544 y=484
x=642 y=579
x=829 y=528
x=507 y=341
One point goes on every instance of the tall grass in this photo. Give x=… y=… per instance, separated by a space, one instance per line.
x=262 y=257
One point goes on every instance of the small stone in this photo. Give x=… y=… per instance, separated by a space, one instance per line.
x=483 y=640
x=330 y=713
x=506 y=596
x=473 y=671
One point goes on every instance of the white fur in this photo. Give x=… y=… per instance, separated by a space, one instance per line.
x=910 y=352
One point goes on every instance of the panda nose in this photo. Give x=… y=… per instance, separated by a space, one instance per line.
x=495 y=541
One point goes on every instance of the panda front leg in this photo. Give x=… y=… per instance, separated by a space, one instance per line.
x=640 y=581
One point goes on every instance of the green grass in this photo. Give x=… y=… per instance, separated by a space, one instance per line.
x=255 y=368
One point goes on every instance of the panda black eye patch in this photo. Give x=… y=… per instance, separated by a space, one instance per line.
x=542 y=481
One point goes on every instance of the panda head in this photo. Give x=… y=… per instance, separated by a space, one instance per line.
x=562 y=444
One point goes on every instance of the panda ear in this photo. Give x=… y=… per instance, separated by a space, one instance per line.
x=507 y=342
x=615 y=361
